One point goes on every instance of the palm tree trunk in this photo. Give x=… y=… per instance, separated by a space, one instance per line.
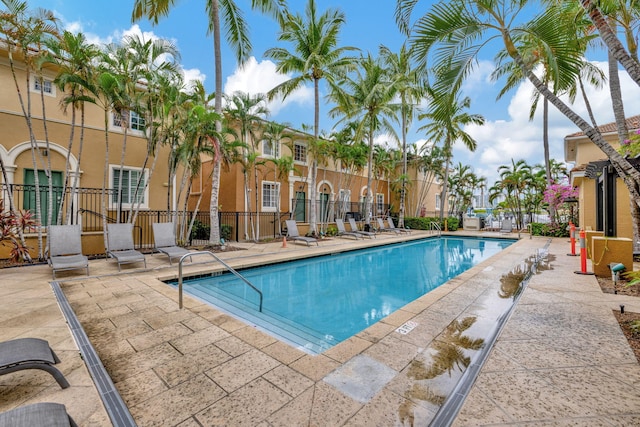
x=313 y=205
x=611 y=40
x=214 y=237
x=403 y=189
x=369 y=178
x=547 y=161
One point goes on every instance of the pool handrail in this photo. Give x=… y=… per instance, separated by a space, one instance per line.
x=434 y=226
x=228 y=267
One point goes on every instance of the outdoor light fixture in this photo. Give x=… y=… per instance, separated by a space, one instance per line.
x=616 y=268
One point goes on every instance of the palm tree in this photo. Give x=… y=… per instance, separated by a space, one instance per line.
x=248 y=112
x=273 y=134
x=315 y=56
x=410 y=80
x=447 y=121
x=237 y=37
x=156 y=61
x=460 y=28
x=73 y=57
x=513 y=182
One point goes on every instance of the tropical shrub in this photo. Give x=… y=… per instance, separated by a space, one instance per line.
x=560 y=229
x=12 y=223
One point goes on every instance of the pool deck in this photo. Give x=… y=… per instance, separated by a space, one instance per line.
x=561 y=358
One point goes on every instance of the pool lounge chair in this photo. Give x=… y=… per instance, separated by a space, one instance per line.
x=506 y=227
x=293 y=234
x=164 y=238
x=29 y=353
x=47 y=414
x=393 y=226
x=120 y=245
x=381 y=227
x=354 y=229
x=343 y=232
x=65 y=248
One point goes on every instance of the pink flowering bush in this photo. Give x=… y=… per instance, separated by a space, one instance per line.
x=556 y=194
x=631 y=147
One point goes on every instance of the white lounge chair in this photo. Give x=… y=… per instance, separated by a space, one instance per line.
x=65 y=248
x=164 y=238
x=343 y=232
x=120 y=245
x=354 y=228
x=294 y=234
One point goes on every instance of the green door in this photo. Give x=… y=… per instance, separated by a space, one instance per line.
x=30 y=193
x=300 y=207
x=324 y=207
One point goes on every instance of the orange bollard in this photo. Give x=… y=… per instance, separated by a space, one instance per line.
x=583 y=254
x=284 y=241
x=572 y=234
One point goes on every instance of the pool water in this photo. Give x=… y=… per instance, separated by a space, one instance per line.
x=318 y=302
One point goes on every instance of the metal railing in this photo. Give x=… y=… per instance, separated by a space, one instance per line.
x=234 y=272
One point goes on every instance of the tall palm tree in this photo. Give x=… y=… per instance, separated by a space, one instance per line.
x=237 y=37
x=410 y=79
x=157 y=62
x=367 y=98
x=448 y=118
x=315 y=56
x=72 y=55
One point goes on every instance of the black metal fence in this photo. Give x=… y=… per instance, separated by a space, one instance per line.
x=85 y=206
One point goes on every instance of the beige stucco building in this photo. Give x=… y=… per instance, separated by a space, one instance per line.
x=603 y=197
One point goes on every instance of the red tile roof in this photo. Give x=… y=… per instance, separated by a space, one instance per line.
x=633 y=122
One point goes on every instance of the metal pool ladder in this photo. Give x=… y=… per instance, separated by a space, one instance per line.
x=434 y=226
x=238 y=275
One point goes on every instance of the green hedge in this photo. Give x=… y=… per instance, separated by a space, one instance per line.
x=560 y=229
x=423 y=223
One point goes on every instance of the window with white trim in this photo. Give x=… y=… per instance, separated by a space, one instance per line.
x=133 y=186
x=136 y=121
x=46 y=85
x=270 y=148
x=300 y=152
x=438 y=201
x=380 y=203
x=270 y=194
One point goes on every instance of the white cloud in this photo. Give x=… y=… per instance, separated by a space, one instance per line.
x=517 y=138
x=260 y=77
x=190 y=74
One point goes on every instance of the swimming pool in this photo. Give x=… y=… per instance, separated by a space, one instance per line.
x=318 y=302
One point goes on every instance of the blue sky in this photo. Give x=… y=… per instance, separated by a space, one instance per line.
x=508 y=133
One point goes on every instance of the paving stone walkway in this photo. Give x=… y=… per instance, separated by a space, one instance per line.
x=561 y=359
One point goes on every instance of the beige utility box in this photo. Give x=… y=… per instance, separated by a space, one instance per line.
x=607 y=250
